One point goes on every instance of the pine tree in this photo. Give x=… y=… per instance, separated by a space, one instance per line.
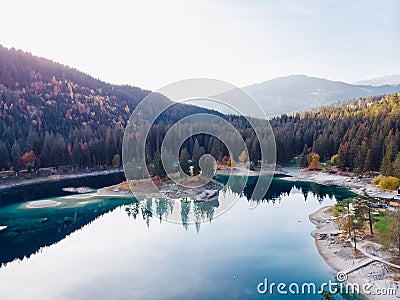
x=15 y=156
x=46 y=150
x=4 y=157
x=159 y=167
x=303 y=157
x=387 y=167
x=396 y=166
x=196 y=155
x=184 y=160
x=368 y=161
x=77 y=154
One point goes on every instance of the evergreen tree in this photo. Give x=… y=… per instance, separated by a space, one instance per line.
x=184 y=160
x=77 y=154
x=159 y=167
x=368 y=161
x=4 y=157
x=15 y=156
x=303 y=157
x=396 y=166
x=198 y=152
x=386 y=167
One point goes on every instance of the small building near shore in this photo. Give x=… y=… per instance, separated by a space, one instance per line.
x=394 y=202
x=389 y=198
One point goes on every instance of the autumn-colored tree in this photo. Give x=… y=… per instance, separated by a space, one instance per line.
x=335 y=160
x=116 y=161
x=243 y=158
x=314 y=163
x=27 y=159
x=389 y=183
x=224 y=160
x=230 y=162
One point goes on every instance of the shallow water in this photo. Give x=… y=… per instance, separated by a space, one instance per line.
x=103 y=248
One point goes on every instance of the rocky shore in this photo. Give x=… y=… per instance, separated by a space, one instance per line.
x=355 y=184
x=339 y=254
x=165 y=189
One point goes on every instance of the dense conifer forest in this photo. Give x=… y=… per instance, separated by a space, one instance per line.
x=52 y=115
x=360 y=136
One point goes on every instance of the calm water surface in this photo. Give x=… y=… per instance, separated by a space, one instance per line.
x=101 y=248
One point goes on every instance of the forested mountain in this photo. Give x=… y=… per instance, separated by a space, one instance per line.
x=360 y=136
x=53 y=115
x=299 y=93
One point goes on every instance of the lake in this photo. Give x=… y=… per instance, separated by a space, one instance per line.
x=91 y=247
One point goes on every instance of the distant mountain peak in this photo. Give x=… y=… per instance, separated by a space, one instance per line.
x=299 y=92
x=388 y=79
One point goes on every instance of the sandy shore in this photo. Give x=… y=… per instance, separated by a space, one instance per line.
x=339 y=255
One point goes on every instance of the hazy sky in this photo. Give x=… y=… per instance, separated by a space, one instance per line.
x=151 y=43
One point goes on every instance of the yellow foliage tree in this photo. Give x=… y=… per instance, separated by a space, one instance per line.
x=389 y=183
x=243 y=158
x=230 y=162
x=335 y=160
x=314 y=163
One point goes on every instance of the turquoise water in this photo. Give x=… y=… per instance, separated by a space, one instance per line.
x=101 y=248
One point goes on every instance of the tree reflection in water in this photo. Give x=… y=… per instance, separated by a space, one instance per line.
x=204 y=211
x=28 y=230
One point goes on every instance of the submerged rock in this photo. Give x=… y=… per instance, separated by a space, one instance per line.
x=207 y=195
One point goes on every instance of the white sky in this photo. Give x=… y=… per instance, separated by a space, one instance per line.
x=151 y=43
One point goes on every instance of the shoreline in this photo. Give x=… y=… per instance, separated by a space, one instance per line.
x=55 y=178
x=339 y=255
x=331 y=245
x=55 y=186
x=354 y=184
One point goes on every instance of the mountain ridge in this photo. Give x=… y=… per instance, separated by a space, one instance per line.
x=389 y=79
x=276 y=96
x=52 y=115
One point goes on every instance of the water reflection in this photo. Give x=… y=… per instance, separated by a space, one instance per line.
x=162 y=208
x=204 y=211
x=29 y=230
x=281 y=187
